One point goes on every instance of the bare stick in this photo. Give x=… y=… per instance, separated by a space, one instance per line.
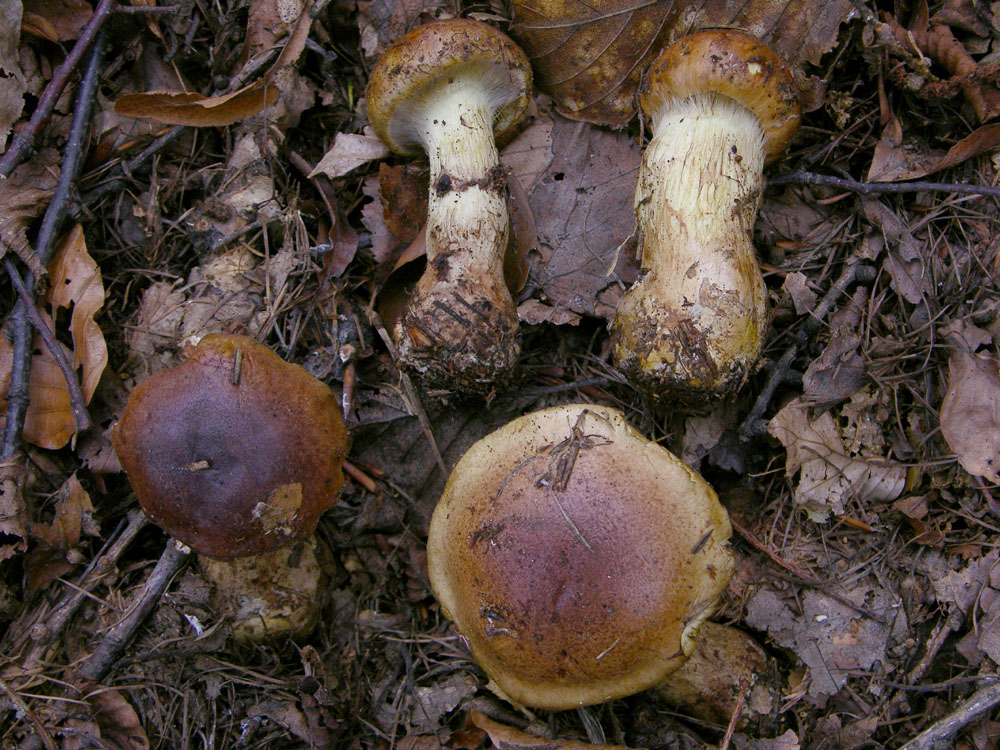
x=871 y=188
x=24 y=140
x=939 y=734
x=76 y=399
x=98 y=664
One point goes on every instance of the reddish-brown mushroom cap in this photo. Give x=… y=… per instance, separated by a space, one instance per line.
x=576 y=557
x=731 y=63
x=235 y=451
x=436 y=52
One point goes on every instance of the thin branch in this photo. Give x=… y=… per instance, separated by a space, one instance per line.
x=25 y=140
x=940 y=733
x=98 y=664
x=871 y=188
x=76 y=399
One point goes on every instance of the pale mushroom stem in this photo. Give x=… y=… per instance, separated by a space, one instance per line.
x=698 y=316
x=461 y=305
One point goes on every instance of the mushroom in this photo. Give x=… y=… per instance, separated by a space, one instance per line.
x=237 y=453
x=721 y=106
x=445 y=88
x=577 y=558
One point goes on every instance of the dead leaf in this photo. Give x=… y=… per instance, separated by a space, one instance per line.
x=529 y=155
x=533 y=312
x=833 y=639
x=970 y=412
x=837 y=373
x=184 y=108
x=381 y=22
x=55 y=20
x=287 y=714
x=897 y=159
x=905 y=262
x=437 y=700
x=74 y=515
x=349 y=150
x=508 y=738
x=177 y=108
x=12 y=81
x=119 y=724
x=75 y=280
x=804 y=298
x=829 y=476
x=49 y=422
x=585 y=220
x=23 y=197
x=402 y=194
x=589 y=56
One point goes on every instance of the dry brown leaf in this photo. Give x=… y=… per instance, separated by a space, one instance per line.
x=905 y=261
x=589 y=56
x=49 y=421
x=804 y=298
x=23 y=197
x=177 y=108
x=970 y=412
x=832 y=638
x=183 y=108
x=12 y=82
x=584 y=218
x=381 y=22
x=119 y=724
x=55 y=20
x=829 y=475
x=349 y=150
x=73 y=516
x=508 y=738
x=75 y=280
x=898 y=158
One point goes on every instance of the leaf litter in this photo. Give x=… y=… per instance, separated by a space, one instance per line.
x=866 y=520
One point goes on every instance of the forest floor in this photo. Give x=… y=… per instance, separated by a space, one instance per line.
x=858 y=463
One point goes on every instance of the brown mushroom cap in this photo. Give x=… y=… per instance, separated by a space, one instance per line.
x=235 y=451
x=576 y=557
x=730 y=63
x=437 y=53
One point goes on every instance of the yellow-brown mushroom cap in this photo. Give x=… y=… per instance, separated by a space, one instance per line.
x=576 y=557
x=730 y=63
x=235 y=451
x=431 y=55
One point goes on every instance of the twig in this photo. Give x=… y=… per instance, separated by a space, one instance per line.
x=939 y=734
x=854 y=270
x=23 y=708
x=44 y=633
x=24 y=140
x=98 y=664
x=126 y=168
x=17 y=402
x=76 y=399
x=870 y=188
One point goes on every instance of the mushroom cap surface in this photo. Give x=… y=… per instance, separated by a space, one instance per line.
x=434 y=54
x=576 y=557
x=730 y=63
x=234 y=451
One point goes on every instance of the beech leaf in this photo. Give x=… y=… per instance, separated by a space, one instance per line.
x=76 y=281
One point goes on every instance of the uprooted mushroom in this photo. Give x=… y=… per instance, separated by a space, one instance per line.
x=444 y=89
x=721 y=105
